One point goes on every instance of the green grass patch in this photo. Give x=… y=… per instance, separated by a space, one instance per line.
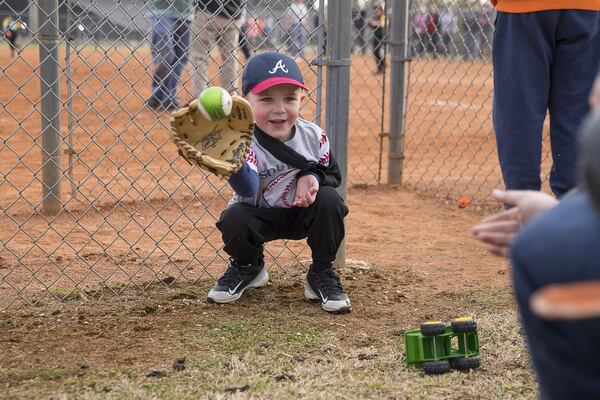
x=65 y=294
x=259 y=333
x=49 y=374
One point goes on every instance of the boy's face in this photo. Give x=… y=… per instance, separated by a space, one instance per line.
x=276 y=109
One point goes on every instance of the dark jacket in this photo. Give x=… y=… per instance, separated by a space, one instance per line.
x=226 y=8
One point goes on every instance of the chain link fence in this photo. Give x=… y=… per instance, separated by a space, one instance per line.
x=450 y=147
x=81 y=135
x=133 y=212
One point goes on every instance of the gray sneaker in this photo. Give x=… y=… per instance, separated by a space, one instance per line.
x=327 y=289
x=235 y=280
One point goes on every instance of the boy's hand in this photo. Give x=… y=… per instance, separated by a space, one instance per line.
x=306 y=191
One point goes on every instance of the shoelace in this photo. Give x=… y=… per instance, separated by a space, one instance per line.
x=233 y=274
x=329 y=282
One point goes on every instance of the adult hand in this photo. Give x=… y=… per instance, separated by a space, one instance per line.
x=306 y=191
x=499 y=230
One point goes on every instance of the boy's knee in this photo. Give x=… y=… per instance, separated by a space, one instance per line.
x=329 y=199
x=234 y=219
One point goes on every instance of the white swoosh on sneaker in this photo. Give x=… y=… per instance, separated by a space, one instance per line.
x=323 y=298
x=232 y=292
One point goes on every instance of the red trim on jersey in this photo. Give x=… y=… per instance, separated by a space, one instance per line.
x=251 y=158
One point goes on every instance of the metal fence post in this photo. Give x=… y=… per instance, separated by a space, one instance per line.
x=337 y=93
x=33 y=16
x=398 y=47
x=48 y=39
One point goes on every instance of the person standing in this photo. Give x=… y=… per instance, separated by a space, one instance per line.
x=244 y=44
x=296 y=18
x=377 y=23
x=215 y=23
x=471 y=32
x=170 y=40
x=448 y=29
x=545 y=56
x=359 y=17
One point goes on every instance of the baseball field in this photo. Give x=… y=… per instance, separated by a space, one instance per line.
x=107 y=300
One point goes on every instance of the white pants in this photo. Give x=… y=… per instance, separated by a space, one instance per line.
x=206 y=31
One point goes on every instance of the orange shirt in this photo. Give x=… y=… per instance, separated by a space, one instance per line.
x=524 y=6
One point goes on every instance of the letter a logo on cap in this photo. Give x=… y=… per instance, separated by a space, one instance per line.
x=280 y=65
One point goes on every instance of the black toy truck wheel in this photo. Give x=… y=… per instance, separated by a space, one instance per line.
x=436 y=367
x=464 y=364
x=433 y=328
x=463 y=325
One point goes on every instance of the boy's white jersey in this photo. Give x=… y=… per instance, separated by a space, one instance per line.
x=278 y=180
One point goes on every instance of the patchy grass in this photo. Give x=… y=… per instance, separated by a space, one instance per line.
x=271 y=345
x=65 y=294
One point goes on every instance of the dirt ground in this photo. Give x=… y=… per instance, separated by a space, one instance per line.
x=134 y=209
x=411 y=259
x=88 y=302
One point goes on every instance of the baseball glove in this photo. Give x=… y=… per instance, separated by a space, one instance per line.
x=218 y=146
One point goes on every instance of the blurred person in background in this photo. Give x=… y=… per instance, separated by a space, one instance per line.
x=472 y=32
x=296 y=16
x=359 y=21
x=12 y=31
x=419 y=31
x=487 y=17
x=448 y=28
x=377 y=23
x=431 y=24
x=170 y=40
x=244 y=44
x=215 y=23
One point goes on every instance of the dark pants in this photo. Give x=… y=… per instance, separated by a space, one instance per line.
x=244 y=45
x=558 y=247
x=378 y=51
x=246 y=228
x=543 y=61
x=170 y=41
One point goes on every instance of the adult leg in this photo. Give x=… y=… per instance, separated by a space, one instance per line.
x=228 y=38
x=12 y=44
x=294 y=40
x=244 y=44
x=522 y=57
x=181 y=38
x=377 y=50
x=162 y=58
x=202 y=39
x=576 y=60
x=301 y=39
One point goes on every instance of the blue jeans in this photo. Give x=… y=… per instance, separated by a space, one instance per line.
x=560 y=246
x=543 y=61
x=170 y=41
x=297 y=40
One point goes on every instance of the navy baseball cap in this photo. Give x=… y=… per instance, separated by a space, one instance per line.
x=268 y=69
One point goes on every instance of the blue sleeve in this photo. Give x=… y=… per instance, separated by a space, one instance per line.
x=245 y=181
x=319 y=177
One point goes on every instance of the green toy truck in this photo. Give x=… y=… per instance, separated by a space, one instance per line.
x=439 y=347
